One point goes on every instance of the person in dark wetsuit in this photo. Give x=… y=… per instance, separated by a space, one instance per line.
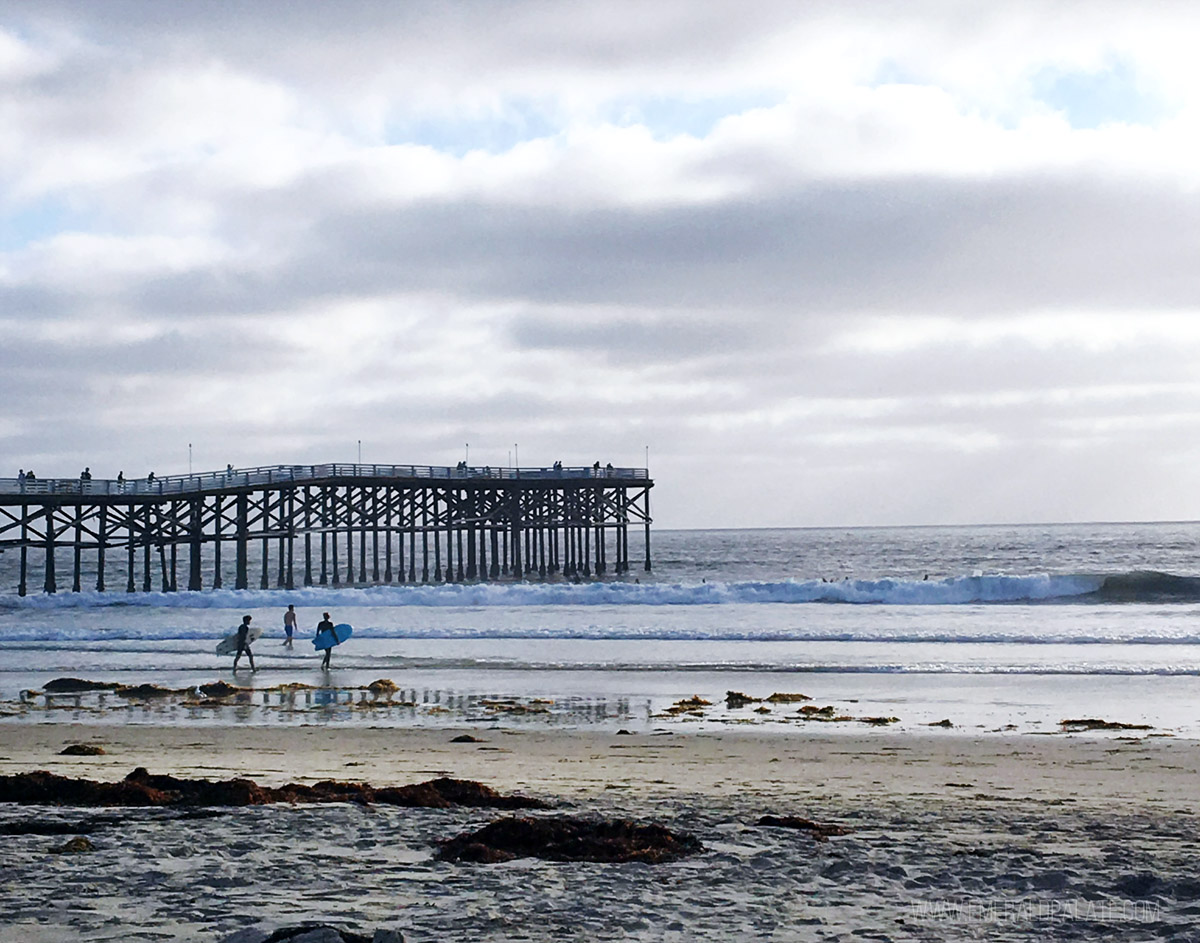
x=322 y=626
x=243 y=640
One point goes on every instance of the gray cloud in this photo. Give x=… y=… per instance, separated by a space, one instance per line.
x=285 y=303
x=889 y=246
x=892 y=246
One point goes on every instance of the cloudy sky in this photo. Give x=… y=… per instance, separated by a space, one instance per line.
x=832 y=263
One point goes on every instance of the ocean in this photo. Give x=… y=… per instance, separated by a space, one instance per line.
x=996 y=629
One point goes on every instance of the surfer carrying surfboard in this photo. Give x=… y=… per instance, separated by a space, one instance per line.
x=325 y=625
x=243 y=644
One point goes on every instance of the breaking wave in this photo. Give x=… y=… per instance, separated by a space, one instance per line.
x=1132 y=587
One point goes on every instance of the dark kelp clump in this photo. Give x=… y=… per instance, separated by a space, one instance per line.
x=77 y=686
x=1095 y=723
x=141 y=788
x=821 y=831
x=569 y=838
x=82 y=749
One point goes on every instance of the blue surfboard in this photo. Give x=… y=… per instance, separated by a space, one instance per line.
x=327 y=639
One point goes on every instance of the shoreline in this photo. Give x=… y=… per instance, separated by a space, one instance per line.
x=848 y=704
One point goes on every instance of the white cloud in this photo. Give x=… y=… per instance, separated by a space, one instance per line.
x=816 y=249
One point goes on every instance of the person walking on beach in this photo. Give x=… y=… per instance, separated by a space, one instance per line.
x=325 y=625
x=243 y=644
x=289 y=625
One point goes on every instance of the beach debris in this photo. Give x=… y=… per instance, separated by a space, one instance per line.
x=944 y=722
x=141 y=788
x=218 y=689
x=784 y=698
x=82 y=749
x=74 y=846
x=819 y=830
x=688 y=705
x=569 y=838
x=466 y=738
x=311 y=933
x=762 y=710
x=1094 y=723
x=827 y=714
x=879 y=721
x=383 y=686
x=77 y=686
x=736 y=699
x=144 y=691
x=513 y=706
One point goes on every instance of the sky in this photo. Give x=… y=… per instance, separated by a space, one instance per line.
x=823 y=263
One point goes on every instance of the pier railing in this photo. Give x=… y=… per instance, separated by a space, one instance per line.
x=277 y=474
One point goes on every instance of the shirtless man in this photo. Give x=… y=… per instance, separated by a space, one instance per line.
x=289 y=625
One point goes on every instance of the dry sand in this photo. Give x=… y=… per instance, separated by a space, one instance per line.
x=955 y=837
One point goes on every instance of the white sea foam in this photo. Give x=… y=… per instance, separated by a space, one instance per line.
x=952 y=591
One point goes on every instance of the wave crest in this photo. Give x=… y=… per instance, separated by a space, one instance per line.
x=1136 y=586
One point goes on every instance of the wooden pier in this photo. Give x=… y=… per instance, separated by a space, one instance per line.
x=323 y=525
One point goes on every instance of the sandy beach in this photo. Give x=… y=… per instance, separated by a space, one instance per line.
x=953 y=836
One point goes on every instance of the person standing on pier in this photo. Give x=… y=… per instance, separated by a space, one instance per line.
x=289 y=625
x=243 y=644
x=325 y=625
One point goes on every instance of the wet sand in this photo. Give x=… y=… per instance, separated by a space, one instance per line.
x=578 y=763
x=1086 y=836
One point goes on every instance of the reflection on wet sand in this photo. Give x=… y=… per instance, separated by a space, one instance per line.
x=383 y=703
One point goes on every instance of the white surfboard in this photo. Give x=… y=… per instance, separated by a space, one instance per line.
x=228 y=645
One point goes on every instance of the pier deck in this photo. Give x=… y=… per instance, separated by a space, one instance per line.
x=324 y=524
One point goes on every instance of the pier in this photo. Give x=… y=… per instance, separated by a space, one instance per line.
x=284 y=526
